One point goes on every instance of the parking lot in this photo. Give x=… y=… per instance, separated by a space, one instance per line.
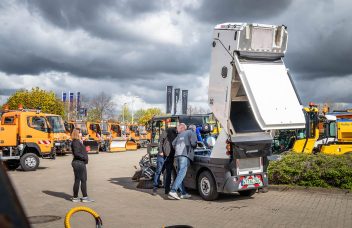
x=47 y=192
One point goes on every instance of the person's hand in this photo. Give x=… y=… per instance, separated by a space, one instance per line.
x=161 y=154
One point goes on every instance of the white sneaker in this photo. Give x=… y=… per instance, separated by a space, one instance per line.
x=185 y=196
x=174 y=195
x=75 y=200
x=87 y=200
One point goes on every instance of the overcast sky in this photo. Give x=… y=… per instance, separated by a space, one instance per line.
x=135 y=48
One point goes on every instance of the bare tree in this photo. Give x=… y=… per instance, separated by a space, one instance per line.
x=103 y=105
x=196 y=110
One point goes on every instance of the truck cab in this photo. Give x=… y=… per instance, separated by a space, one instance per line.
x=25 y=135
x=93 y=139
x=62 y=141
x=105 y=136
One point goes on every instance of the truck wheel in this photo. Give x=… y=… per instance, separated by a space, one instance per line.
x=207 y=186
x=12 y=164
x=29 y=162
x=247 y=193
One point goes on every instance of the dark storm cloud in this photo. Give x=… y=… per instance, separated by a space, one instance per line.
x=153 y=57
x=219 y=11
x=328 y=50
x=89 y=14
x=166 y=59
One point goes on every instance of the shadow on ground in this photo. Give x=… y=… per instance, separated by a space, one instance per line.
x=127 y=183
x=62 y=195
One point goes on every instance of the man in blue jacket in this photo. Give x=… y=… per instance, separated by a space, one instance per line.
x=184 y=144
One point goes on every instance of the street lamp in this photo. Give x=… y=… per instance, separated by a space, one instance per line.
x=123 y=112
x=133 y=106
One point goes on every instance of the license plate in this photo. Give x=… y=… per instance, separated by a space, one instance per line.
x=57 y=144
x=253 y=181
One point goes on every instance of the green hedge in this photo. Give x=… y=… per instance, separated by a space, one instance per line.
x=312 y=170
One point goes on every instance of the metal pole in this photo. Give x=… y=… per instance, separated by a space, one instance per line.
x=123 y=113
x=132 y=108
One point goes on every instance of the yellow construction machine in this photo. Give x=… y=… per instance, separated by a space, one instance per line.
x=118 y=142
x=326 y=132
x=145 y=135
x=90 y=134
x=93 y=139
x=25 y=135
x=126 y=133
x=117 y=137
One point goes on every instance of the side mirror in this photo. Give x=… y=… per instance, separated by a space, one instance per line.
x=66 y=126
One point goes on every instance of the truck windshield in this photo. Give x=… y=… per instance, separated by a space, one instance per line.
x=104 y=127
x=196 y=120
x=141 y=129
x=57 y=124
x=82 y=127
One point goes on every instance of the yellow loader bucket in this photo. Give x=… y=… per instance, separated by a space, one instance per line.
x=131 y=145
x=118 y=145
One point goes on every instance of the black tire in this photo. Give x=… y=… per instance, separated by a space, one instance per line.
x=12 y=164
x=248 y=193
x=137 y=175
x=207 y=186
x=29 y=162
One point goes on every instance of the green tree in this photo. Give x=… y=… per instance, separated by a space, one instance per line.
x=35 y=99
x=147 y=114
x=139 y=114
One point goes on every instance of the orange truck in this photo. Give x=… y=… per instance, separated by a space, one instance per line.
x=25 y=136
x=62 y=141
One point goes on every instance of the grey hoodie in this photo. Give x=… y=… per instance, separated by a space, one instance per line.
x=184 y=144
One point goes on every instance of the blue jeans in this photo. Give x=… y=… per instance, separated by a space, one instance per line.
x=159 y=167
x=182 y=166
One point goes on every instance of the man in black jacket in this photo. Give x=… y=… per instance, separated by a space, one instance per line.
x=165 y=159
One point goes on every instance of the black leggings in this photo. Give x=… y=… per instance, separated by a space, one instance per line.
x=80 y=171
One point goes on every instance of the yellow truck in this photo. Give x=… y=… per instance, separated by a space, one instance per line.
x=25 y=135
x=328 y=133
